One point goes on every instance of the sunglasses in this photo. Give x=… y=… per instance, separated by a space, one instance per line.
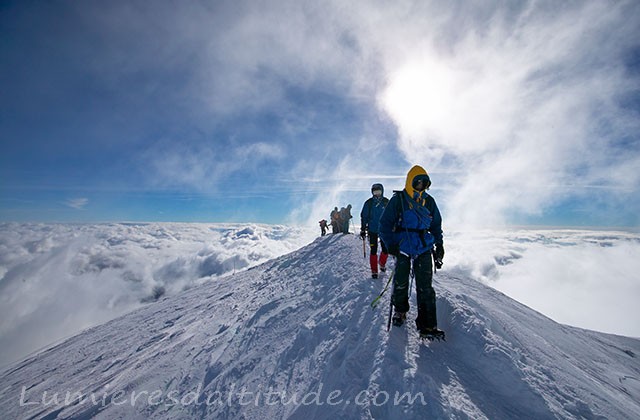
x=421 y=182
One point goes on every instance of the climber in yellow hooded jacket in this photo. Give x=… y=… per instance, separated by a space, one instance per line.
x=410 y=228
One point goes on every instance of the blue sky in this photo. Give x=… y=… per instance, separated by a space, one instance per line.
x=276 y=112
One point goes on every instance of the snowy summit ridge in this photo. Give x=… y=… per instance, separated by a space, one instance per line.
x=295 y=337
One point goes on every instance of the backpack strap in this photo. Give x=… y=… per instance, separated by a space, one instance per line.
x=399 y=208
x=400 y=211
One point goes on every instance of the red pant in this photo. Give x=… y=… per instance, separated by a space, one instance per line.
x=373 y=256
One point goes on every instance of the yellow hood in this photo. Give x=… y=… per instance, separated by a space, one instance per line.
x=416 y=170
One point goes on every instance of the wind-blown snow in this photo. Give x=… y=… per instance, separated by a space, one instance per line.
x=57 y=279
x=295 y=337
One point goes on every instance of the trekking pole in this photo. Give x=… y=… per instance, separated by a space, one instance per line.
x=364 y=250
x=375 y=301
x=393 y=286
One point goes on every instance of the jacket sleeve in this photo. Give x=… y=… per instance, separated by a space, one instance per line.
x=364 y=216
x=436 y=223
x=388 y=221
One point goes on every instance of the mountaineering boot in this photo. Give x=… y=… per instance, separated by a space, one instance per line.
x=374 y=275
x=431 y=334
x=398 y=318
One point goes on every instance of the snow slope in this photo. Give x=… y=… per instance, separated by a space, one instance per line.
x=58 y=279
x=295 y=337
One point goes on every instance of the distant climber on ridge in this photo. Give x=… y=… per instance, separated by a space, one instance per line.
x=335 y=220
x=369 y=224
x=323 y=227
x=410 y=226
x=345 y=217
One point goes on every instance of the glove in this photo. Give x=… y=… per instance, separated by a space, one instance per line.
x=440 y=251
x=439 y=255
x=363 y=234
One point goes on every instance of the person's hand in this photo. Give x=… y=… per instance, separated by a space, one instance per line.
x=439 y=255
x=363 y=234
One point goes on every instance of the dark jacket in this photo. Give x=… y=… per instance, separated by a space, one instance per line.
x=411 y=223
x=371 y=212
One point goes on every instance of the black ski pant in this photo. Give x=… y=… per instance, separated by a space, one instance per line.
x=373 y=243
x=426 y=296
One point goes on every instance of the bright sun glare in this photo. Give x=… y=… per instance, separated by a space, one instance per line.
x=419 y=97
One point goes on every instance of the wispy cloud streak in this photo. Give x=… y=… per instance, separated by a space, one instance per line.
x=77 y=203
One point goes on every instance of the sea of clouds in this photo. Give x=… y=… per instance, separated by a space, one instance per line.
x=585 y=278
x=57 y=279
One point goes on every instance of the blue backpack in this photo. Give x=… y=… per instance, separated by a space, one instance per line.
x=413 y=221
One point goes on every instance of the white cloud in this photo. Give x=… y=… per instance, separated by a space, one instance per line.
x=518 y=104
x=77 y=203
x=59 y=279
x=581 y=278
x=255 y=152
x=341 y=184
x=515 y=98
x=519 y=99
x=203 y=167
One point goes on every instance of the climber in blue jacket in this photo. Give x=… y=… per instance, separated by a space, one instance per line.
x=410 y=228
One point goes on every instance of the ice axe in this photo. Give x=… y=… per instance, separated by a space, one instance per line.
x=364 y=249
